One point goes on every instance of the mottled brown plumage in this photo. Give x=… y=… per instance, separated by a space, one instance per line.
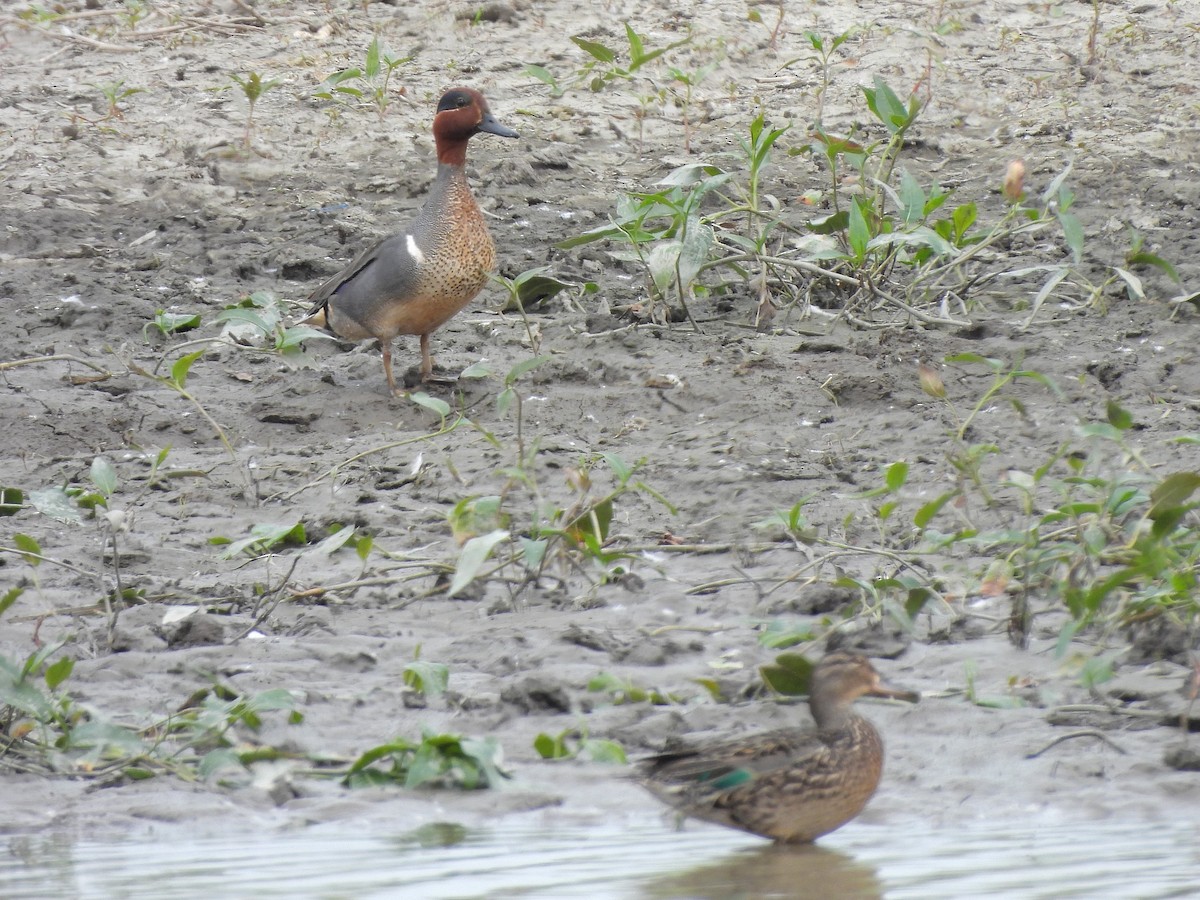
x=792 y=785
x=415 y=281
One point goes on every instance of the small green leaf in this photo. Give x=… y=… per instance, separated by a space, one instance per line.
x=334 y=542
x=429 y=678
x=179 y=371
x=31 y=550
x=533 y=552
x=475 y=553
x=925 y=514
x=59 y=672
x=964 y=217
x=1169 y=501
x=790 y=674
x=372 y=64
x=541 y=74
x=524 y=367
x=9 y=598
x=1118 y=416
x=241 y=315
x=917 y=598
x=620 y=468
x=548 y=747
x=222 y=759
x=1152 y=259
x=364 y=546
x=1072 y=233
x=1175 y=490
x=480 y=369
x=782 y=681
x=104 y=476
x=858 y=233
x=296 y=335
x=263 y=538
x=912 y=199
x=598 y=51
x=592 y=523
x=504 y=400
x=12 y=501
x=173 y=323
x=55 y=503
x=1133 y=284
x=435 y=404
x=603 y=751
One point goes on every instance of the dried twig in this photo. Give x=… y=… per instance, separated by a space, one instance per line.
x=1090 y=732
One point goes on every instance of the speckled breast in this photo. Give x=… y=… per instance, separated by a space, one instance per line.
x=455 y=271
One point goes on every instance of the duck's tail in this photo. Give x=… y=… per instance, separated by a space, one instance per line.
x=317 y=317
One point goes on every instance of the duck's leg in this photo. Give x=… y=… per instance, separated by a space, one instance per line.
x=386 y=347
x=426 y=359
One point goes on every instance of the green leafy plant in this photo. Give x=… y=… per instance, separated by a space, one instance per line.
x=528 y=290
x=496 y=544
x=682 y=87
x=606 y=66
x=259 y=320
x=370 y=81
x=884 y=249
x=264 y=538
x=789 y=674
x=437 y=760
x=1090 y=526
x=428 y=678
x=574 y=533
x=780 y=633
x=754 y=15
x=43 y=728
x=824 y=52
x=114 y=93
x=168 y=323
x=623 y=690
x=253 y=87
x=575 y=743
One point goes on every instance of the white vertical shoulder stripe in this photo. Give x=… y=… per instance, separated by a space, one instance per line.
x=413 y=250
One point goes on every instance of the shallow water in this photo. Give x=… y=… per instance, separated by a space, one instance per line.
x=645 y=862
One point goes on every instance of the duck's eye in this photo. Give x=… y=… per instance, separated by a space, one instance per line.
x=461 y=102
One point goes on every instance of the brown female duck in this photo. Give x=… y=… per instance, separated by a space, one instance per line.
x=791 y=785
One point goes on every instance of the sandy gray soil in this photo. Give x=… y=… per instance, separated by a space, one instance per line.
x=107 y=221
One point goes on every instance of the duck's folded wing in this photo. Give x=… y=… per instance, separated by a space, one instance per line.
x=320 y=297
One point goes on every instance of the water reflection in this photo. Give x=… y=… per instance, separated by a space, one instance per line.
x=642 y=860
x=797 y=873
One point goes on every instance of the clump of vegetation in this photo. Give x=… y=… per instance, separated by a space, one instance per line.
x=210 y=737
x=575 y=743
x=114 y=93
x=607 y=66
x=635 y=66
x=883 y=248
x=519 y=553
x=253 y=87
x=437 y=760
x=369 y=82
x=622 y=690
x=44 y=729
x=1090 y=528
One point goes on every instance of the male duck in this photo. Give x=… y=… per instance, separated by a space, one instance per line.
x=415 y=281
x=792 y=785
